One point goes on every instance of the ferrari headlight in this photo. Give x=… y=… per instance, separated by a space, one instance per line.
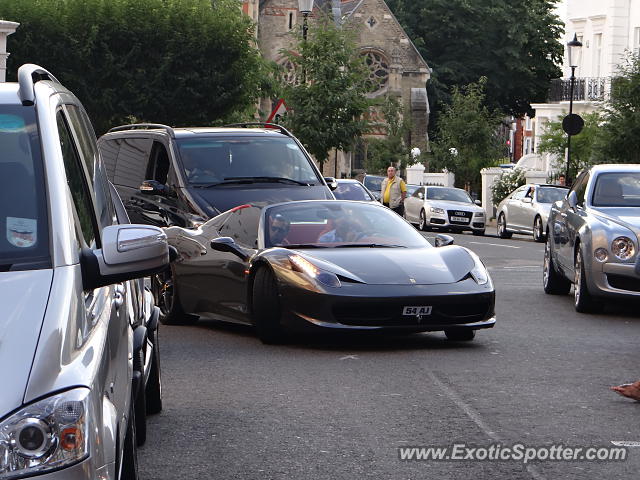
x=478 y=272
x=301 y=264
x=50 y=434
x=623 y=248
x=437 y=210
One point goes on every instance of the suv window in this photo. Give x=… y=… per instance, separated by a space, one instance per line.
x=131 y=163
x=158 y=166
x=24 y=224
x=214 y=159
x=78 y=187
x=580 y=187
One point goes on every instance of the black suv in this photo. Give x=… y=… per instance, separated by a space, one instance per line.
x=183 y=176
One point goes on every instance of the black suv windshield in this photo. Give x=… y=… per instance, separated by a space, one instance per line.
x=24 y=239
x=219 y=160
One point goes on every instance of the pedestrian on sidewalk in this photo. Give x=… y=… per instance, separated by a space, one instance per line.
x=393 y=191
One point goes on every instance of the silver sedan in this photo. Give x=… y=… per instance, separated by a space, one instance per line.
x=593 y=238
x=445 y=208
x=526 y=210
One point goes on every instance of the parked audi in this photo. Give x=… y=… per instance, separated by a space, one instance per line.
x=526 y=210
x=74 y=345
x=594 y=237
x=444 y=208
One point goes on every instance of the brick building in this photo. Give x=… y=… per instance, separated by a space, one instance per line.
x=399 y=67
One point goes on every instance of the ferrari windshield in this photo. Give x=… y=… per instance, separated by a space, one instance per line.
x=218 y=160
x=448 y=194
x=338 y=224
x=24 y=242
x=551 y=194
x=620 y=189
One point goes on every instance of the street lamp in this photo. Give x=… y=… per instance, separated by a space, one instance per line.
x=572 y=124
x=305 y=7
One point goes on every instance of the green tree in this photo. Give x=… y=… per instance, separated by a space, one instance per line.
x=180 y=62
x=393 y=149
x=619 y=137
x=466 y=139
x=554 y=141
x=515 y=43
x=328 y=104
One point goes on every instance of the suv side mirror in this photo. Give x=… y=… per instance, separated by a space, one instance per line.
x=154 y=187
x=128 y=251
x=443 y=240
x=331 y=183
x=478 y=202
x=228 y=244
x=572 y=199
x=527 y=200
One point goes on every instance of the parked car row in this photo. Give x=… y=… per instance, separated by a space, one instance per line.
x=79 y=351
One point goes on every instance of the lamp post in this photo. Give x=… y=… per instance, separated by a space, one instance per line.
x=572 y=124
x=305 y=7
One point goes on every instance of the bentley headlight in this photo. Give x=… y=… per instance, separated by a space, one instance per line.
x=478 y=272
x=301 y=264
x=50 y=434
x=437 y=210
x=623 y=248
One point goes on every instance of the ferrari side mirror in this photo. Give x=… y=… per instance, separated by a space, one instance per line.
x=228 y=244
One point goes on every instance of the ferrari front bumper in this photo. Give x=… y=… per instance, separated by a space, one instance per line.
x=464 y=304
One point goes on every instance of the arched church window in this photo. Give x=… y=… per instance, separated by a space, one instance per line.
x=378 y=70
x=289 y=72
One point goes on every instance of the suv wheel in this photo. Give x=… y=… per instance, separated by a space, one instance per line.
x=553 y=282
x=538 y=230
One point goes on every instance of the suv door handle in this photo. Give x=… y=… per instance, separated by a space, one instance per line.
x=118 y=296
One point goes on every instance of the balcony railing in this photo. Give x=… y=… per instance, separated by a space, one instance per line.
x=595 y=89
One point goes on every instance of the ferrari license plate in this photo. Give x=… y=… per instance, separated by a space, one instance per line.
x=416 y=310
x=460 y=219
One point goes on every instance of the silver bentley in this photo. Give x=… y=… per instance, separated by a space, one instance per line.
x=593 y=238
x=526 y=210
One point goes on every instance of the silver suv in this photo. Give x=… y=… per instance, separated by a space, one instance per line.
x=76 y=330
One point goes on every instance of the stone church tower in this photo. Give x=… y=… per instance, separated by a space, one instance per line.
x=394 y=60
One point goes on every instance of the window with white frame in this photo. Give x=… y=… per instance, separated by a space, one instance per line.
x=636 y=40
x=597 y=54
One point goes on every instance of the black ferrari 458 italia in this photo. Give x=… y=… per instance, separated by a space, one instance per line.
x=327 y=265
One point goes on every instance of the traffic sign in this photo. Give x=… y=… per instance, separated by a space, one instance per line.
x=278 y=112
x=572 y=124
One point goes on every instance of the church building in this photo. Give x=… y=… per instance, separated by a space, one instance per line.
x=393 y=59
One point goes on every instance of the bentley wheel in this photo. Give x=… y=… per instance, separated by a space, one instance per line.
x=502 y=227
x=266 y=307
x=538 y=230
x=460 y=334
x=552 y=281
x=583 y=300
x=423 y=221
x=154 y=383
x=166 y=297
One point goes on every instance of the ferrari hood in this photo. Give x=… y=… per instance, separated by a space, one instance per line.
x=396 y=266
x=23 y=296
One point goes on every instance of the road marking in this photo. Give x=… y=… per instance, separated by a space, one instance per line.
x=350 y=357
x=523 y=266
x=625 y=443
x=475 y=417
x=494 y=244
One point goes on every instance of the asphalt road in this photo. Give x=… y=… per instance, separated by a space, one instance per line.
x=339 y=407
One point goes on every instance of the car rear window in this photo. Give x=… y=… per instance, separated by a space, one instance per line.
x=351 y=191
x=24 y=239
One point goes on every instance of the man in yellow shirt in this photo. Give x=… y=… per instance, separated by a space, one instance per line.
x=393 y=191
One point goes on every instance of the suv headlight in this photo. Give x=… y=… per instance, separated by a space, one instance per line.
x=50 y=434
x=479 y=271
x=437 y=210
x=623 y=248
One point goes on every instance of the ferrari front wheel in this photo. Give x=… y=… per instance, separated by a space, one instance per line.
x=266 y=307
